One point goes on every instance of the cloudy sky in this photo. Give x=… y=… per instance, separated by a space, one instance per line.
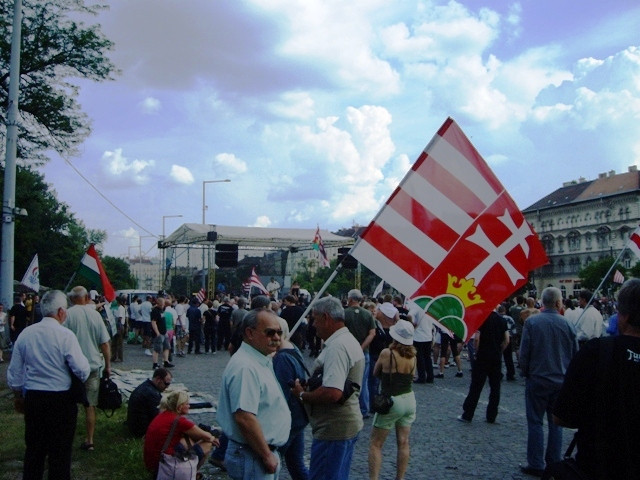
x=316 y=110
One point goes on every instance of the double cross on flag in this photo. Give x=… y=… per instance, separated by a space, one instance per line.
x=450 y=237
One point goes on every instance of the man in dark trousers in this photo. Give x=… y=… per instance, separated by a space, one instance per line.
x=489 y=342
x=224 y=323
x=42 y=358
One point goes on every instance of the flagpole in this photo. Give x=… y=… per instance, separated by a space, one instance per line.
x=318 y=295
x=66 y=289
x=595 y=292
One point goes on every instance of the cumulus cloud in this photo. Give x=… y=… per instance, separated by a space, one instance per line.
x=230 y=163
x=118 y=167
x=262 y=221
x=181 y=175
x=150 y=105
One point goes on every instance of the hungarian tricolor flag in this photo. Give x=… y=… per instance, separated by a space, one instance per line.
x=254 y=281
x=450 y=237
x=91 y=268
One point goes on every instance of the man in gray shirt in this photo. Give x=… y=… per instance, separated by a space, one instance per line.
x=548 y=345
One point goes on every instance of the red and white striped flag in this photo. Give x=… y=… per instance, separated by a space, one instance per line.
x=254 y=281
x=201 y=295
x=450 y=237
x=618 y=277
x=634 y=242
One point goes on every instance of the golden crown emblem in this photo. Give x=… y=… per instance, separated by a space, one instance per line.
x=464 y=289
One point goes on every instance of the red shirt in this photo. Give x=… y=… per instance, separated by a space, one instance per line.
x=157 y=434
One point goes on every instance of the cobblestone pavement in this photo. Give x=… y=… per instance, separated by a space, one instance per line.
x=441 y=446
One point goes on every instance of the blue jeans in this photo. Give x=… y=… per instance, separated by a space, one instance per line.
x=331 y=459
x=243 y=464
x=364 y=390
x=294 y=456
x=539 y=399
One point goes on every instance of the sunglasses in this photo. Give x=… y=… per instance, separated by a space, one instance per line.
x=270 y=332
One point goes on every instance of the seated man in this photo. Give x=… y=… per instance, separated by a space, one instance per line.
x=145 y=400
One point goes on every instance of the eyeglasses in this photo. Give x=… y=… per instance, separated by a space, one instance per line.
x=270 y=332
x=166 y=384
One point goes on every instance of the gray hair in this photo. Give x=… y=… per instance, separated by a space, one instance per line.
x=250 y=320
x=242 y=302
x=354 y=294
x=550 y=296
x=331 y=306
x=52 y=301
x=77 y=293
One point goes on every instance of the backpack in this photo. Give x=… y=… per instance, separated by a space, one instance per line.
x=109 y=397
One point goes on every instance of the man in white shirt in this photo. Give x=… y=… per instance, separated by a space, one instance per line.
x=590 y=322
x=42 y=357
x=422 y=341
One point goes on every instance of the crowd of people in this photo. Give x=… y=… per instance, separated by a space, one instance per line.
x=358 y=347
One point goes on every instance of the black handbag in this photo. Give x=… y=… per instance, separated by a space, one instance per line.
x=109 y=397
x=565 y=469
x=382 y=402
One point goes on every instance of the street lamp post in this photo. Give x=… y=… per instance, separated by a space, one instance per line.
x=140 y=246
x=204 y=208
x=162 y=265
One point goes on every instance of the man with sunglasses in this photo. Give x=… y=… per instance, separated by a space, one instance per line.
x=144 y=401
x=253 y=411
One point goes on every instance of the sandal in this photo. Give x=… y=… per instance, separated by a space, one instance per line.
x=87 y=447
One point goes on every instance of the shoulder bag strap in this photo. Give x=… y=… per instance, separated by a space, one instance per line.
x=170 y=436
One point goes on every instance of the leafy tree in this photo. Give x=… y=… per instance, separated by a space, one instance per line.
x=50 y=230
x=592 y=275
x=56 y=48
x=118 y=272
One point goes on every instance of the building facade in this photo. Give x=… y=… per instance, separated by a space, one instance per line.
x=585 y=221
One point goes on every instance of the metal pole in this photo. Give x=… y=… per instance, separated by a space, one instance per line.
x=9 y=196
x=204 y=207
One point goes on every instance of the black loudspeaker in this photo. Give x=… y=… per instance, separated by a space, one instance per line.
x=212 y=236
x=347 y=260
x=226 y=255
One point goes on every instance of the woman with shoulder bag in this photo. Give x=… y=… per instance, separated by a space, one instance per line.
x=396 y=366
x=186 y=437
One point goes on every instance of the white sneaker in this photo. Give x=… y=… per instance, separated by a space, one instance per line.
x=148 y=352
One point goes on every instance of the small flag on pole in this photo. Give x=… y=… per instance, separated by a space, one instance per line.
x=634 y=242
x=618 y=277
x=91 y=268
x=31 y=277
x=319 y=246
x=254 y=281
x=201 y=295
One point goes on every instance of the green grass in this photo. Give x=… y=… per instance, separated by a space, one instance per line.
x=117 y=456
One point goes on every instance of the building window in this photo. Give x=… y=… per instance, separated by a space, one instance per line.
x=563 y=289
x=573 y=241
x=561 y=266
x=587 y=240
x=548 y=244
x=603 y=236
x=626 y=261
x=574 y=265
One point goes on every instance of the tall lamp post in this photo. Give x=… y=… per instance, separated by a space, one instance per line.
x=162 y=265
x=140 y=246
x=7 y=258
x=204 y=209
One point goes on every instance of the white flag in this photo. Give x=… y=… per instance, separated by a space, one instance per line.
x=378 y=289
x=31 y=278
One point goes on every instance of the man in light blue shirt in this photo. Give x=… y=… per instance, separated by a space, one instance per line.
x=39 y=377
x=253 y=411
x=547 y=347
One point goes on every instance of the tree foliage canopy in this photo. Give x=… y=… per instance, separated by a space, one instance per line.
x=592 y=275
x=55 y=50
x=50 y=230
